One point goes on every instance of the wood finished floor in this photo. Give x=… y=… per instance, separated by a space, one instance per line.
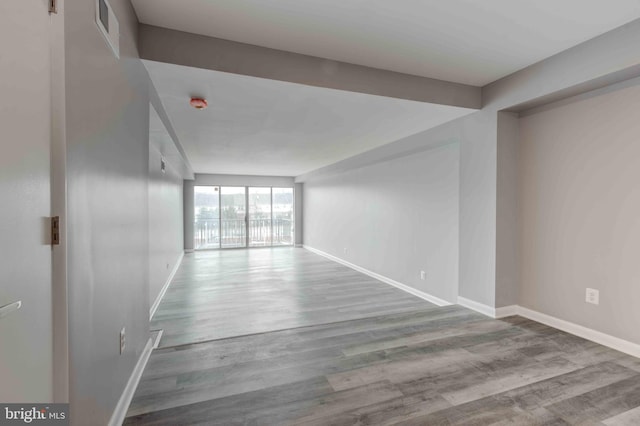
x=285 y=337
x=220 y=294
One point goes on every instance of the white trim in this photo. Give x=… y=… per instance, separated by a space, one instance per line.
x=490 y=311
x=506 y=311
x=111 y=35
x=612 y=342
x=428 y=297
x=120 y=412
x=156 y=343
x=477 y=306
x=156 y=303
x=604 y=339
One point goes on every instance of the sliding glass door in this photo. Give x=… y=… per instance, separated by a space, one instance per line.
x=259 y=217
x=238 y=216
x=206 y=228
x=233 y=208
x=282 y=204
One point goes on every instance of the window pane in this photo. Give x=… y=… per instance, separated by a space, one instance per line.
x=207 y=212
x=259 y=217
x=233 y=232
x=282 y=216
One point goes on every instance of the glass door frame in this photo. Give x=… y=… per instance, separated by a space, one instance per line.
x=243 y=221
x=202 y=230
x=247 y=217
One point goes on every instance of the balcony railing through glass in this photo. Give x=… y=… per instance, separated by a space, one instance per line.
x=227 y=233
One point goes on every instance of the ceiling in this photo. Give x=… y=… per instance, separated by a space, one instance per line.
x=466 y=41
x=267 y=127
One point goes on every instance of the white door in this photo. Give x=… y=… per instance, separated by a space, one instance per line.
x=26 y=366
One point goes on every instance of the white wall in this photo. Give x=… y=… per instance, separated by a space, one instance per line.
x=579 y=216
x=165 y=220
x=394 y=218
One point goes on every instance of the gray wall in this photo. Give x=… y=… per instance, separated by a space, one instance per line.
x=477 y=134
x=188 y=215
x=107 y=129
x=165 y=220
x=26 y=339
x=394 y=218
x=507 y=255
x=579 y=222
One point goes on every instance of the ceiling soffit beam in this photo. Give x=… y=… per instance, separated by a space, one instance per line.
x=192 y=50
x=601 y=61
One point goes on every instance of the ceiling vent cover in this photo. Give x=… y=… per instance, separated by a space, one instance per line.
x=108 y=24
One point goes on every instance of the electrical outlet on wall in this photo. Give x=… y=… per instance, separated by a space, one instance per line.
x=122 y=340
x=593 y=296
x=423 y=275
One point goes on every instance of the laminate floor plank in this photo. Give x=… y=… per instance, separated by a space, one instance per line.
x=626 y=418
x=219 y=294
x=600 y=404
x=284 y=337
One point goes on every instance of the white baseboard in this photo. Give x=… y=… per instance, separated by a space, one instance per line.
x=156 y=342
x=506 y=311
x=477 y=306
x=490 y=311
x=425 y=296
x=122 y=407
x=156 y=303
x=604 y=339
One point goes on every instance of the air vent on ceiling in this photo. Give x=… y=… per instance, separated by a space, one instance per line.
x=108 y=24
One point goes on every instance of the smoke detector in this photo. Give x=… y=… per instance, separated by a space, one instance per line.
x=198 y=103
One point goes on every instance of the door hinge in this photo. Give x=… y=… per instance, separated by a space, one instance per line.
x=53 y=6
x=55 y=230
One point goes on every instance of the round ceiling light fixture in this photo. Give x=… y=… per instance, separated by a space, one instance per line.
x=198 y=103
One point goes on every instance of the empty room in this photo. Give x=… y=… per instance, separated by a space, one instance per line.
x=323 y=212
